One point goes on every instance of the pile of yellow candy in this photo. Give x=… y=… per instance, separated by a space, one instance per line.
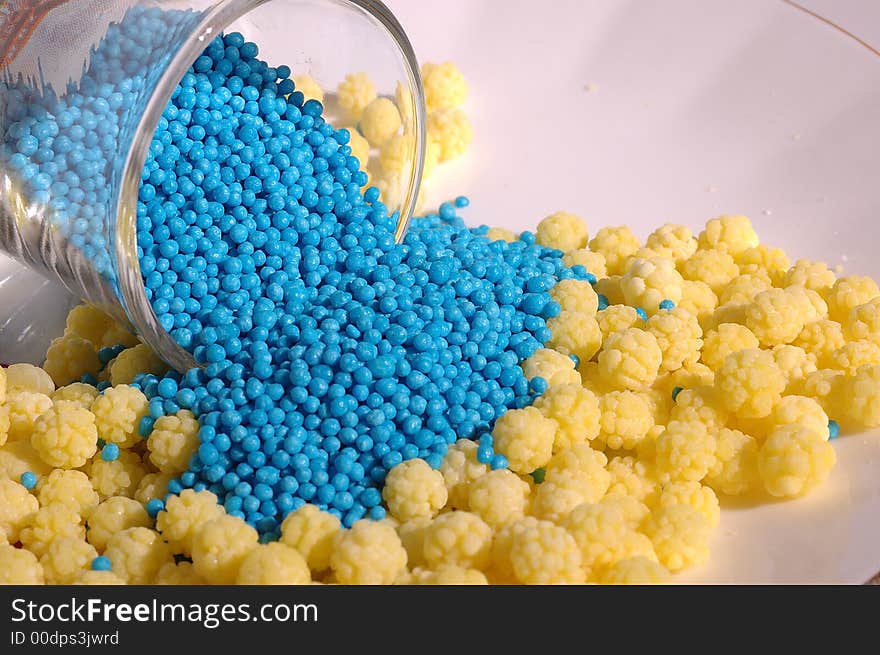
x=615 y=472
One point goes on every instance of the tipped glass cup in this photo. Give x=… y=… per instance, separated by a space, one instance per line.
x=72 y=215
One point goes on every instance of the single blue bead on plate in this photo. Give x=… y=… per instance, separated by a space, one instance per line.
x=110 y=452
x=101 y=563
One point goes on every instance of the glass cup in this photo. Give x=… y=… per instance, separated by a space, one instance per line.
x=83 y=85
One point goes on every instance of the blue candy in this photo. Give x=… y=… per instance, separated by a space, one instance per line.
x=330 y=352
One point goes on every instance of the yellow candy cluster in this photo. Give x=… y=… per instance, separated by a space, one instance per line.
x=381 y=127
x=618 y=472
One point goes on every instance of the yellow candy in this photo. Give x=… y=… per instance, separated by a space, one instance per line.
x=68 y=358
x=694 y=374
x=449 y=575
x=397 y=154
x=714 y=267
x=460 y=467
x=309 y=87
x=743 y=289
x=118 y=411
x=750 y=383
x=50 y=523
x=18 y=457
x=152 y=485
x=731 y=234
x=679 y=336
x=680 y=535
x=794 y=362
x=863 y=322
x=635 y=571
x=553 y=366
x=112 y=516
x=801 y=411
x=862 y=397
x=698 y=299
x=311 y=532
x=368 y=553
x=65 y=436
x=137 y=554
x=634 y=511
x=183 y=516
x=763 y=260
x=792 y=461
x=594 y=262
x=445 y=86
x=498 y=497
x=699 y=404
x=132 y=361
x=630 y=359
x=855 y=354
x=117 y=478
x=460 y=538
x=575 y=296
x=626 y=417
x=610 y=288
x=562 y=231
x=849 y=292
x=543 y=553
x=821 y=338
x=616 y=244
x=693 y=494
x=173 y=441
x=685 y=451
x=66 y=559
x=273 y=564
x=90 y=323
x=17 y=506
x=414 y=490
x=380 y=121
x=23 y=410
x=825 y=386
x=604 y=536
x=811 y=275
x=575 y=411
x=360 y=148
x=501 y=234
x=220 y=546
x=810 y=305
x=647 y=282
x=71 y=488
x=19 y=566
x=27 y=377
x=672 y=241
x=179 y=573
x=736 y=463
x=81 y=394
x=633 y=477
x=562 y=491
x=451 y=131
x=355 y=92
x=727 y=338
x=525 y=437
x=616 y=318
x=99 y=578
x=412 y=536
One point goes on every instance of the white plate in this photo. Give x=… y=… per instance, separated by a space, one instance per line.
x=646 y=112
x=640 y=113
